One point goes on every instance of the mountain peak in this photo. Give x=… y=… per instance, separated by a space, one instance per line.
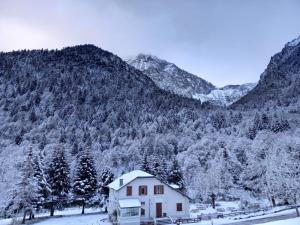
x=279 y=82
x=170 y=77
x=294 y=42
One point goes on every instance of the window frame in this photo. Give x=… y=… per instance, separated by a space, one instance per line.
x=129 y=191
x=143 y=190
x=179 y=207
x=159 y=189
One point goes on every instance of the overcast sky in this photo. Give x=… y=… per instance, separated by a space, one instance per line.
x=224 y=42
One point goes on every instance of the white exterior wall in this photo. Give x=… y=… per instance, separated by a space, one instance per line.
x=168 y=199
x=112 y=201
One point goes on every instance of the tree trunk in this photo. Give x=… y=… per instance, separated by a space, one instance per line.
x=83 y=206
x=297 y=210
x=213 y=200
x=52 y=210
x=24 y=217
x=273 y=201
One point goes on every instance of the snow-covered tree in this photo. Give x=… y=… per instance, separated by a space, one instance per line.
x=25 y=195
x=59 y=179
x=85 y=182
x=175 y=176
x=43 y=187
x=105 y=179
x=146 y=165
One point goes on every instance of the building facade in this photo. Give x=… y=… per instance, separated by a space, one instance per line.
x=141 y=196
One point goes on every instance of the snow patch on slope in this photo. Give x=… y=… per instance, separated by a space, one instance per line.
x=227 y=95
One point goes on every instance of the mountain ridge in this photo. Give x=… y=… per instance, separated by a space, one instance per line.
x=279 y=83
x=170 y=77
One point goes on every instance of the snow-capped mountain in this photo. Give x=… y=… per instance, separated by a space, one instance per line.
x=169 y=77
x=227 y=95
x=280 y=82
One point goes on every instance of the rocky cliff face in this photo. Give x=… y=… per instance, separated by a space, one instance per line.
x=280 y=82
x=169 y=77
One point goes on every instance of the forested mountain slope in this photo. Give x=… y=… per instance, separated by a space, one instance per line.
x=78 y=97
x=279 y=84
x=83 y=97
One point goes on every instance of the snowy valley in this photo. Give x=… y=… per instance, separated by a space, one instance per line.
x=75 y=119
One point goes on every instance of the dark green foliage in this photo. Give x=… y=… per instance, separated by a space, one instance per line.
x=59 y=176
x=85 y=181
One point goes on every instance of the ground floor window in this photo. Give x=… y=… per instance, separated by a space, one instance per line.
x=143 y=211
x=127 y=212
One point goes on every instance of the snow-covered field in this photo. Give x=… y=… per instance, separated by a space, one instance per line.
x=69 y=216
x=93 y=219
x=93 y=216
x=295 y=221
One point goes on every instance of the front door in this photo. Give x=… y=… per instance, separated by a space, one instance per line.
x=158 y=210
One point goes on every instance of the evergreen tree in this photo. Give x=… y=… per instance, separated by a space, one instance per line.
x=59 y=179
x=160 y=170
x=145 y=165
x=85 y=183
x=25 y=196
x=43 y=187
x=175 y=176
x=106 y=178
x=164 y=171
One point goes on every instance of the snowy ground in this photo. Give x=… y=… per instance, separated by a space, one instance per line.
x=69 y=216
x=295 y=221
x=88 y=219
x=95 y=217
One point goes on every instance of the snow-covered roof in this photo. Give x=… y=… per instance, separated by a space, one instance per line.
x=175 y=186
x=129 y=203
x=127 y=178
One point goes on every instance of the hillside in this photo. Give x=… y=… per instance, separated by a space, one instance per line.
x=279 y=84
x=170 y=77
x=78 y=97
x=226 y=95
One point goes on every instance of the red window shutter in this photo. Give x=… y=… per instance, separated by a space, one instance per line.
x=146 y=190
x=162 y=189
x=155 y=190
x=140 y=190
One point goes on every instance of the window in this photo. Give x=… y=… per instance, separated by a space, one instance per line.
x=129 y=191
x=127 y=212
x=179 y=207
x=158 y=189
x=143 y=190
x=143 y=211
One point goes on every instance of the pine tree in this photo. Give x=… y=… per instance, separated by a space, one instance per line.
x=106 y=178
x=59 y=179
x=164 y=171
x=175 y=176
x=25 y=197
x=43 y=187
x=145 y=165
x=85 y=183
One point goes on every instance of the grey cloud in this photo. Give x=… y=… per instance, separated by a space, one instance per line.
x=222 y=41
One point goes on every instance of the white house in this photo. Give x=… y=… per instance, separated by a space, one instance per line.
x=138 y=196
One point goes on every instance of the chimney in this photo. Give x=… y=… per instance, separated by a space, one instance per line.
x=121 y=182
